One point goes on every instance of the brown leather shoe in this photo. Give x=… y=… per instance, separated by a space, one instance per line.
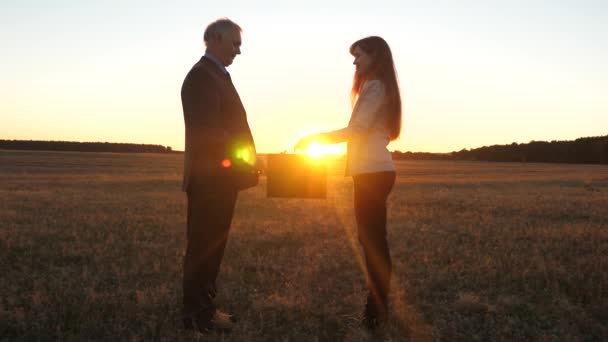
x=220 y=321
x=224 y=315
x=221 y=318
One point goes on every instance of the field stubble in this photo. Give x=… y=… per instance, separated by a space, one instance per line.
x=91 y=247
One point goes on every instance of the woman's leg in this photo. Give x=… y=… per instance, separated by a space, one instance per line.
x=371 y=193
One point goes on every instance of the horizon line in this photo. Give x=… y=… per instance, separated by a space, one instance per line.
x=260 y=152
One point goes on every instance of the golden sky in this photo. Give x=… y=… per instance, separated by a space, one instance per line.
x=473 y=74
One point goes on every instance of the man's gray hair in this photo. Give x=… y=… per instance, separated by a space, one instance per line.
x=217 y=29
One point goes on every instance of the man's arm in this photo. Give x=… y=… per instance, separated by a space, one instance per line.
x=201 y=104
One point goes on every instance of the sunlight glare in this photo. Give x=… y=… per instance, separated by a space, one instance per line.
x=316 y=150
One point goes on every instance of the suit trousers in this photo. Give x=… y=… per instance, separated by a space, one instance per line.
x=210 y=211
x=371 y=193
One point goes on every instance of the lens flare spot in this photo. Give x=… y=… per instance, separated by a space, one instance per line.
x=226 y=163
x=245 y=155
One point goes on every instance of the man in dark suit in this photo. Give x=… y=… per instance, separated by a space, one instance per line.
x=218 y=139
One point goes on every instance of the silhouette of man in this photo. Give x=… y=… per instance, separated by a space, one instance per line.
x=217 y=138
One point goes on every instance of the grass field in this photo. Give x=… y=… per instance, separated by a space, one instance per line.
x=91 y=247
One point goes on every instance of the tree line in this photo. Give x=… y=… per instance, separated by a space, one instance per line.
x=41 y=145
x=588 y=150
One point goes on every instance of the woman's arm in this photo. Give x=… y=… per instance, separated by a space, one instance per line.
x=363 y=116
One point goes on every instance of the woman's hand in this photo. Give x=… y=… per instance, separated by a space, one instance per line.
x=305 y=142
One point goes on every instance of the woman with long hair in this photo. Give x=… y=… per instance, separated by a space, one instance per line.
x=374 y=122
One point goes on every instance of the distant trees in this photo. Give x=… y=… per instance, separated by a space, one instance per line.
x=421 y=156
x=82 y=146
x=589 y=150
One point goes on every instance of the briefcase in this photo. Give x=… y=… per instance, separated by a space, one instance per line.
x=296 y=176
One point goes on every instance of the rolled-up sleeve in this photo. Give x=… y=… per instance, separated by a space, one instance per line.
x=364 y=114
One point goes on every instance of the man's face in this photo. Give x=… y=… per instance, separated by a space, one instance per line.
x=227 y=46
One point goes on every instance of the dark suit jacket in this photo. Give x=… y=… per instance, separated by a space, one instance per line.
x=216 y=124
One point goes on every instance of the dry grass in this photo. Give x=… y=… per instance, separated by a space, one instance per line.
x=91 y=247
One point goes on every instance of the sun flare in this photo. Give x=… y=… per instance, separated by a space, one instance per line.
x=316 y=150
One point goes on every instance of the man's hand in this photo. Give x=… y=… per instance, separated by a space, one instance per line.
x=260 y=165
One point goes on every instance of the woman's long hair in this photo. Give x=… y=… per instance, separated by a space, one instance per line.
x=382 y=68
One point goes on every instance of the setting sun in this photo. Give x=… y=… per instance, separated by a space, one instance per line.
x=317 y=150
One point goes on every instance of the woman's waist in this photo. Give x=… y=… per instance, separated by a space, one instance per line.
x=369 y=145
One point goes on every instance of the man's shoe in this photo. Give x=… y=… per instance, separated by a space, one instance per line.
x=220 y=315
x=220 y=321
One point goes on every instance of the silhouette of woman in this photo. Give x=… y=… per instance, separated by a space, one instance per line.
x=374 y=122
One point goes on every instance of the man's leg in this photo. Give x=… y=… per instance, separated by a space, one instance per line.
x=210 y=211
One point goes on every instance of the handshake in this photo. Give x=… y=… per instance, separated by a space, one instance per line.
x=288 y=175
x=244 y=157
x=309 y=141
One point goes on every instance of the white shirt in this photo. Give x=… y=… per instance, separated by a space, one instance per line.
x=216 y=61
x=366 y=134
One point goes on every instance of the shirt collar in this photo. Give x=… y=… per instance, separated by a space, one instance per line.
x=216 y=61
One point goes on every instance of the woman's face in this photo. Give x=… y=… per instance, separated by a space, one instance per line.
x=362 y=61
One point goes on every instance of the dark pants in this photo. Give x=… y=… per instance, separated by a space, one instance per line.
x=210 y=209
x=371 y=192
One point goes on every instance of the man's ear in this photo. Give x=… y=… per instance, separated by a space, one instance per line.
x=217 y=37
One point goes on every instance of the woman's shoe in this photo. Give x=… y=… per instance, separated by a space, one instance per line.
x=372 y=318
